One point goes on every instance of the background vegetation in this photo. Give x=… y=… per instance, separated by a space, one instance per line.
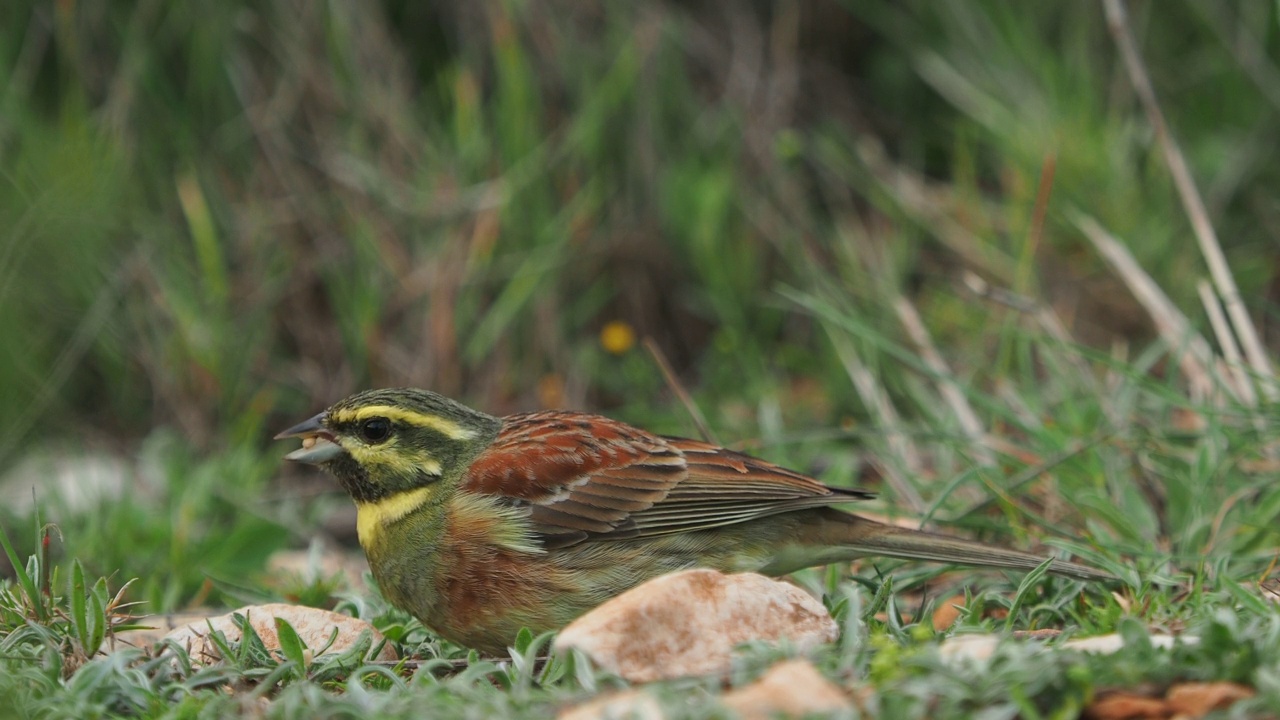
x=864 y=236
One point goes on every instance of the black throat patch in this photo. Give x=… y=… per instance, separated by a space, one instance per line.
x=355 y=480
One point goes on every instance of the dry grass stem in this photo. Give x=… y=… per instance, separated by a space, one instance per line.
x=905 y=457
x=1230 y=351
x=948 y=387
x=1118 y=23
x=1195 y=357
x=1008 y=394
x=926 y=205
x=673 y=382
x=1051 y=324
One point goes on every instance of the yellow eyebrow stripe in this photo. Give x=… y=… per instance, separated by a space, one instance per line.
x=403 y=461
x=448 y=428
x=373 y=517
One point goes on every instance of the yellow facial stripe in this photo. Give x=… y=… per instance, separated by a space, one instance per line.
x=444 y=426
x=391 y=457
x=373 y=517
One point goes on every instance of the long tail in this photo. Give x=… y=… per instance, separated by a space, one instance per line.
x=847 y=536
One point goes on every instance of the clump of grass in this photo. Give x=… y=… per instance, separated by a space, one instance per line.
x=68 y=626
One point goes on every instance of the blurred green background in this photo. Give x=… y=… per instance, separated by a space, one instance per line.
x=218 y=217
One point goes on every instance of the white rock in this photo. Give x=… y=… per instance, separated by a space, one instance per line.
x=689 y=622
x=1111 y=644
x=314 y=627
x=77 y=479
x=789 y=689
x=982 y=647
x=624 y=705
x=315 y=565
x=969 y=647
x=154 y=629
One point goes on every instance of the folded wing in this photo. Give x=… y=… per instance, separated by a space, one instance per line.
x=586 y=477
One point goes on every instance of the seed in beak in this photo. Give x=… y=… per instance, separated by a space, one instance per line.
x=308 y=441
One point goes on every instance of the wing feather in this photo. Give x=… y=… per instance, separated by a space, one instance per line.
x=585 y=477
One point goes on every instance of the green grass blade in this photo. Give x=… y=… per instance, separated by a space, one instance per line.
x=25 y=580
x=97 y=612
x=291 y=645
x=79 y=609
x=1025 y=588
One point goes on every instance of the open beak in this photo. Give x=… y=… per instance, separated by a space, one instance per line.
x=318 y=444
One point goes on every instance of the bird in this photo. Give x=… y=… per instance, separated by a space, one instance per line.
x=480 y=526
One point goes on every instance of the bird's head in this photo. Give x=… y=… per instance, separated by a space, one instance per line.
x=379 y=443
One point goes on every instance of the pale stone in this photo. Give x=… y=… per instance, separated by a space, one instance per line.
x=1197 y=699
x=315 y=565
x=314 y=628
x=624 y=705
x=78 y=479
x=689 y=622
x=1186 y=700
x=1111 y=644
x=969 y=647
x=982 y=647
x=789 y=689
x=154 y=629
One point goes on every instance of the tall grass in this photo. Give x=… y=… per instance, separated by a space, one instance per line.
x=266 y=206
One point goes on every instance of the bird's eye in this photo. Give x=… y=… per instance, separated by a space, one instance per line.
x=375 y=429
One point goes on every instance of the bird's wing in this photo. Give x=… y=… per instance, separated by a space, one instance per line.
x=588 y=477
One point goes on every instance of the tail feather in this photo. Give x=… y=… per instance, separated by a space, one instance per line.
x=854 y=536
x=920 y=545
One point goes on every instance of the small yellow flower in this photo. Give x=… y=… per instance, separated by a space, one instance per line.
x=617 y=337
